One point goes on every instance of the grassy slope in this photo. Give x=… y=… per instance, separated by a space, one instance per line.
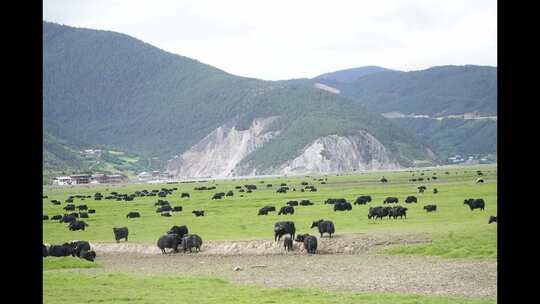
x=236 y=218
x=114 y=288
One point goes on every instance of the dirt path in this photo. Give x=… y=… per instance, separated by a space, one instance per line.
x=345 y=263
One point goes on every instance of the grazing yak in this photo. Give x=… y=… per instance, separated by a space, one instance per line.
x=264 y=210
x=383 y=180
x=88 y=255
x=164 y=208
x=421 y=189
x=378 y=212
x=178 y=230
x=198 y=212
x=390 y=200
x=120 y=233
x=362 y=200
x=45 y=251
x=286 y=210
x=191 y=241
x=342 y=206
x=475 y=203
x=77 y=225
x=288 y=243
x=162 y=203
x=397 y=211
x=78 y=247
x=480 y=181
x=324 y=227
x=83 y=214
x=169 y=241
x=430 y=208
x=282 y=190
x=45 y=217
x=184 y=194
x=177 y=209
x=60 y=250
x=435 y=191
x=492 y=219
x=69 y=207
x=306 y=203
x=133 y=214
x=218 y=195
x=82 y=207
x=56 y=217
x=167 y=214
x=91 y=210
x=310 y=242
x=335 y=200
x=230 y=193
x=282 y=228
x=411 y=199
x=292 y=203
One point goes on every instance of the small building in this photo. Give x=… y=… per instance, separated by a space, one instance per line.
x=63 y=180
x=81 y=179
x=115 y=178
x=144 y=176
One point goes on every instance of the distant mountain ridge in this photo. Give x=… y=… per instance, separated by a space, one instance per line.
x=430 y=102
x=437 y=91
x=109 y=89
x=350 y=75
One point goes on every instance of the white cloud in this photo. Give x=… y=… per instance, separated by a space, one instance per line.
x=292 y=39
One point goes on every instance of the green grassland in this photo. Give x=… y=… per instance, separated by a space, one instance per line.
x=132 y=288
x=51 y=263
x=455 y=230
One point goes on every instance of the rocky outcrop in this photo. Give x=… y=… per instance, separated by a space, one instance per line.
x=335 y=153
x=219 y=152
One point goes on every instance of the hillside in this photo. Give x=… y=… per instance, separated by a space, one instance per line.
x=109 y=89
x=61 y=157
x=429 y=103
x=350 y=75
x=437 y=91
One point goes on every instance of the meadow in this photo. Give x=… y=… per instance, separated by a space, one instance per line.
x=235 y=218
x=455 y=231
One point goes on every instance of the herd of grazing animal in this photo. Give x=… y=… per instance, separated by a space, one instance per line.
x=80 y=249
x=178 y=237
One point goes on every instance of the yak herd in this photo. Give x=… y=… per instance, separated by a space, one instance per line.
x=178 y=236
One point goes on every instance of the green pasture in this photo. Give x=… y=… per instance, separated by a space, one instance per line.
x=131 y=288
x=455 y=230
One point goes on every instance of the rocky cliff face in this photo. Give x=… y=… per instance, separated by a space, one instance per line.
x=219 y=153
x=335 y=153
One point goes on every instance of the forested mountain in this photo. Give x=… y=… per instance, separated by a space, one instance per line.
x=350 y=75
x=431 y=103
x=109 y=89
x=437 y=91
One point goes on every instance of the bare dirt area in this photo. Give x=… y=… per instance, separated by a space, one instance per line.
x=344 y=263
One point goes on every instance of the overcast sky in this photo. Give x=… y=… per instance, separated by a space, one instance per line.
x=294 y=38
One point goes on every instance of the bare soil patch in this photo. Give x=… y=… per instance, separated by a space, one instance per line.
x=344 y=263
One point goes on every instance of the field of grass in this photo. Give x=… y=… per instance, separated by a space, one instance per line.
x=235 y=218
x=455 y=230
x=115 y=288
x=51 y=263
